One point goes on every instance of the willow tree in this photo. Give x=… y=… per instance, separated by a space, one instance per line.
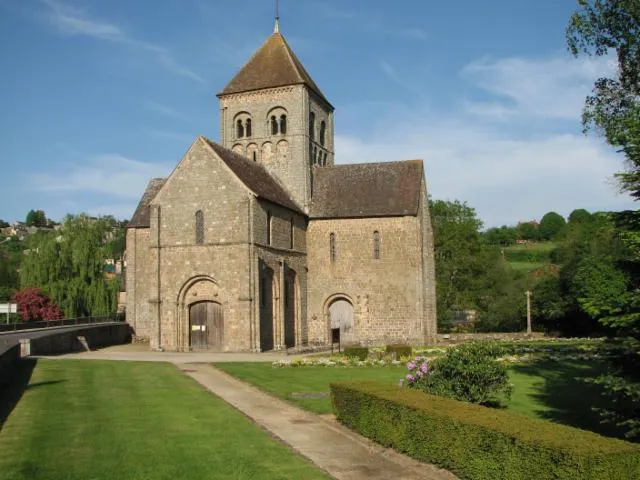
x=69 y=265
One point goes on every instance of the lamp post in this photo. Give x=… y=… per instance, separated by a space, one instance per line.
x=528 y=294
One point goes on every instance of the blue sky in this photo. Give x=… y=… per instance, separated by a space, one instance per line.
x=99 y=96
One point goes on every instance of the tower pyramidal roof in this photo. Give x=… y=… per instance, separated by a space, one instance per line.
x=273 y=65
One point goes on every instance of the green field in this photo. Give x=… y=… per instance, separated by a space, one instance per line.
x=547 y=390
x=529 y=256
x=65 y=419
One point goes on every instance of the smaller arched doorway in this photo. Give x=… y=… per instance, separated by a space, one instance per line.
x=341 y=316
x=206 y=325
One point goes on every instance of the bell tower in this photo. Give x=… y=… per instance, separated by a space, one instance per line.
x=274 y=113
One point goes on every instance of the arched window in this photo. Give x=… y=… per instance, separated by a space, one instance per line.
x=315 y=155
x=324 y=160
x=323 y=128
x=199 y=227
x=239 y=129
x=274 y=125
x=255 y=156
x=311 y=159
x=283 y=124
x=248 y=128
x=376 y=245
x=312 y=126
x=332 y=247
x=291 y=233
x=269 y=228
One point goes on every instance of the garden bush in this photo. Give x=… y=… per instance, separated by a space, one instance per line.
x=479 y=443
x=360 y=353
x=469 y=373
x=399 y=350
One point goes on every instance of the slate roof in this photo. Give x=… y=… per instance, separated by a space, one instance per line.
x=140 y=218
x=255 y=177
x=367 y=190
x=273 y=65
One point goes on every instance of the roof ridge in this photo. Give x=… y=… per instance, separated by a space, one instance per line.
x=415 y=160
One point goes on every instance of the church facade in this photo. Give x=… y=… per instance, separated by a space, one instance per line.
x=260 y=242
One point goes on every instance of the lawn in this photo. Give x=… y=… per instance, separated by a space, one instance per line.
x=65 y=419
x=547 y=389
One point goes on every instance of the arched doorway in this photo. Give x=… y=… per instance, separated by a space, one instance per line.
x=206 y=325
x=341 y=316
x=290 y=308
x=266 y=308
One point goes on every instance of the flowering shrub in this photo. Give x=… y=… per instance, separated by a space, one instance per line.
x=335 y=362
x=470 y=373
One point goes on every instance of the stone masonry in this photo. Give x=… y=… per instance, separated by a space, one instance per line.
x=248 y=244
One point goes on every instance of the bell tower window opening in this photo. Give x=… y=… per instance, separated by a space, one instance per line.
x=255 y=158
x=248 y=128
x=323 y=128
x=376 y=245
x=283 y=124
x=274 y=125
x=239 y=129
x=332 y=247
x=199 y=228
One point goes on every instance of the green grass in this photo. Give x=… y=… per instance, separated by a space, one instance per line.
x=546 y=390
x=120 y=420
x=286 y=382
x=526 y=266
x=535 y=246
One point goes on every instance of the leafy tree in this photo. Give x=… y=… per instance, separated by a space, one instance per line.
x=34 y=304
x=470 y=273
x=68 y=264
x=4 y=224
x=579 y=215
x=527 y=231
x=36 y=218
x=502 y=236
x=599 y=27
x=550 y=225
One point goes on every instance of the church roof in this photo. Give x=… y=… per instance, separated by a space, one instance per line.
x=367 y=190
x=273 y=65
x=141 y=218
x=254 y=176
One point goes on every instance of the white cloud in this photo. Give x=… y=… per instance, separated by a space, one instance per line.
x=508 y=173
x=72 y=21
x=107 y=174
x=552 y=87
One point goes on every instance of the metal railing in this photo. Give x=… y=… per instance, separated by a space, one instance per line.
x=13 y=327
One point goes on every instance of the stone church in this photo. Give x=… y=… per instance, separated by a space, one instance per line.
x=261 y=242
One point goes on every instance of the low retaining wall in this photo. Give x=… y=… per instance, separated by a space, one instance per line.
x=470 y=337
x=9 y=359
x=67 y=342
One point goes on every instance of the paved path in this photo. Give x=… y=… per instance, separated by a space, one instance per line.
x=335 y=449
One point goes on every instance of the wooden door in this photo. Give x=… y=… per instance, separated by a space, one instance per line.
x=206 y=325
x=290 y=309
x=266 y=308
x=341 y=316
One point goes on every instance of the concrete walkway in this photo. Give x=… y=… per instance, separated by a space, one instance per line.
x=333 y=448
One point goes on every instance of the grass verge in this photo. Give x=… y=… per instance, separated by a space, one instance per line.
x=107 y=420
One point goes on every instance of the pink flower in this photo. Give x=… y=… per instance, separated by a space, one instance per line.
x=411 y=365
x=424 y=368
x=419 y=374
x=411 y=378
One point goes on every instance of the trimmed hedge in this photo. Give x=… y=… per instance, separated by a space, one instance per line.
x=399 y=350
x=360 y=353
x=480 y=443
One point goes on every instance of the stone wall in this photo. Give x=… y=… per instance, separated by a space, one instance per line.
x=286 y=156
x=386 y=293
x=67 y=341
x=9 y=358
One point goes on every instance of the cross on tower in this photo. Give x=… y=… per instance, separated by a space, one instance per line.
x=276 y=28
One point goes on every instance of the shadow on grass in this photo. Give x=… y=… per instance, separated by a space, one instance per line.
x=12 y=391
x=563 y=396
